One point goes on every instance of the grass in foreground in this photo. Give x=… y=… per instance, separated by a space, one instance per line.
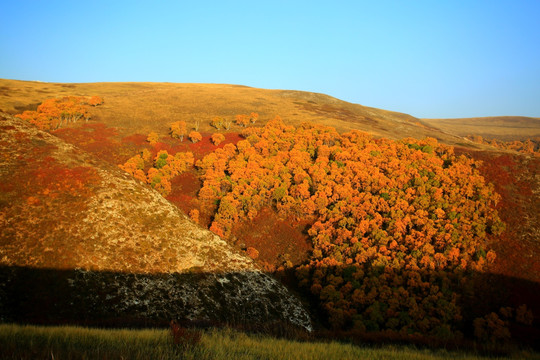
x=59 y=343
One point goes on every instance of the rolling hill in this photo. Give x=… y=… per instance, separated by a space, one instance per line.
x=505 y=128
x=144 y=107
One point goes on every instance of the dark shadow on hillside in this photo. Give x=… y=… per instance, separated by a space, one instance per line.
x=112 y=299
x=49 y=296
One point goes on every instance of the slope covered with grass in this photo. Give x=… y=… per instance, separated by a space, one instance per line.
x=29 y=342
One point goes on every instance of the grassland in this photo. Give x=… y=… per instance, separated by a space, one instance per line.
x=144 y=107
x=31 y=342
x=505 y=128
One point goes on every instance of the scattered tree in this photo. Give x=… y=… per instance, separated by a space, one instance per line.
x=152 y=138
x=194 y=215
x=195 y=136
x=217 y=122
x=178 y=130
x=217 y=138
x=242 y=120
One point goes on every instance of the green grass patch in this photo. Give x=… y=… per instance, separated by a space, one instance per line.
x=66 y=342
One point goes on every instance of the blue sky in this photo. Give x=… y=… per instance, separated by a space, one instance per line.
x=426 y=58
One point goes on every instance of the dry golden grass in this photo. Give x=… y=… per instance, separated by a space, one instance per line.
x=505 y=128
x=143 y=107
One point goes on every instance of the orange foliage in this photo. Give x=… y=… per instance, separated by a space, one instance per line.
x=54 y=113
x=252 y=252
x=153 y=138
x=194 y=215
x=529 y=146
x=398 y=224
x=242 y=120
x=195 y=136
x=217 y=139
x=178 y=130
x=217 y=122
x=165 y=167
x=95 y=101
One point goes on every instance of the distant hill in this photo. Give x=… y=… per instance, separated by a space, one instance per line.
x=505 y=128
x=81 y=240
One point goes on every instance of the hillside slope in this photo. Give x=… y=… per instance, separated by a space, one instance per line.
x=82 y=240
x=505 y=128
x=144 y=107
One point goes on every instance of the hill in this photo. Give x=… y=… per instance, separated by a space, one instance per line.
x=505 y=128
x=144 y=107
x=80 y=240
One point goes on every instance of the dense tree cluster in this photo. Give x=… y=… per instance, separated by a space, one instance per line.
x=398 y=226
x=494 y=327
x=529 y=146
x=165 y=167
x=55 y=113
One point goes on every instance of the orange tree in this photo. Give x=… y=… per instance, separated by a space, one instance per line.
x=195 y=136
x=399 y=225
x=178 y=130
x=165 y=167
x=55 y=113
x=217 y=138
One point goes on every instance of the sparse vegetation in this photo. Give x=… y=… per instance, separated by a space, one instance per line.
x=528 y=146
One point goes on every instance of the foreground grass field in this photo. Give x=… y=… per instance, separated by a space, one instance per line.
x=32 y=342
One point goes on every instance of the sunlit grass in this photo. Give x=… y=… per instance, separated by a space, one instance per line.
x=32 y=342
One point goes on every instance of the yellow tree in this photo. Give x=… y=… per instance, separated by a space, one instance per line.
x=153 y=138
x=195 y=136
x=178 y=130
x=218 y=139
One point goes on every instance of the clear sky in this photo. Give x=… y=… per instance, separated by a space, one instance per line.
x=455 y=58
